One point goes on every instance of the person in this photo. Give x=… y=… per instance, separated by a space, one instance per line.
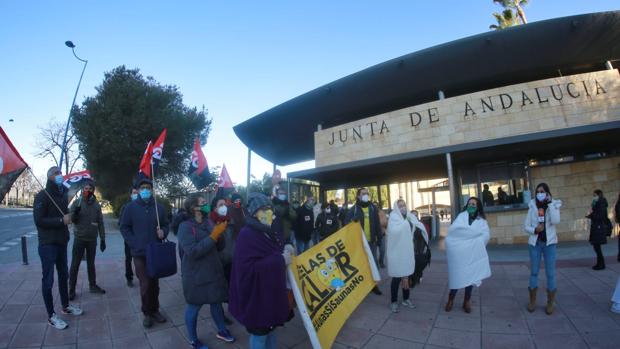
x=305 y=224
x=415 y=213
x=400 y=252
x=600 y=227
x=487 y=196
x=237 y=214
x=88 y=219
x=540 y=223
x=615 y=298
x=179 y=217
x=367 y=215
x=468 y=261
x=51 y=217
x=383 y=219
x=327 y=222
x=128 y=269
x=343 y=213
x=502 y=197
x=258 y=295
x=422 y=252
x=442 y=213
x=203 y=277
x=617 y=215
x=141 y=226
x=284 y=212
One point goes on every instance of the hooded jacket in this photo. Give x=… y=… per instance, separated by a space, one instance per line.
x=47 y=218
x=88 y=219
x=552 y=218
x=139 y=225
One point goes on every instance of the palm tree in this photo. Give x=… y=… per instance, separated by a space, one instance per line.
x=504 y=20
x=517 y=5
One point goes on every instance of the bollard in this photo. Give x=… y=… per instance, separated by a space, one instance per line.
x=24 y=250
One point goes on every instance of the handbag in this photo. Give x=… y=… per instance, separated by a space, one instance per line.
x=161 y=259
x=607 y=226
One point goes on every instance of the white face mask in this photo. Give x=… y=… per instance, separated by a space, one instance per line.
x=328 y=210
x=541 y=196
x=222 y=210
x=365 y=198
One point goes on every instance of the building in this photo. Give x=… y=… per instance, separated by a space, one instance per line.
x=508 y=109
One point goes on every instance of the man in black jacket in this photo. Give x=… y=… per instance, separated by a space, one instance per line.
x=305 y=225
x=128 y=269
x=367 y=215
x=51 y=217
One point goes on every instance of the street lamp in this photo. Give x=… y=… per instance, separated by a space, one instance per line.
x=70 y=45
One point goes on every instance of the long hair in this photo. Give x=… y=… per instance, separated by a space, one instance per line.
x=544 y=186
x=599 y=193
x=191 y=202
x=478 y=205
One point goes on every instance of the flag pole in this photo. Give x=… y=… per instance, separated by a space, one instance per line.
x=155 y=196
x=48 y=194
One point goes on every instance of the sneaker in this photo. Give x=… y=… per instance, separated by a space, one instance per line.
x=225 y=336
x=72 y=310
x=615 y=308
x=158 y=317
x=394 y=307
x=408 y=304
x=198 y=345
x=97 y=289
x=147 y=322
x=57 y=322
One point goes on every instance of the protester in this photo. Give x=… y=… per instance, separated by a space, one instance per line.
x=219 y=215
x=487 y=196
x=316 y=210
x=128 y=269
x=258 y=293
x=178 y=218
x=344 y=212
x=88 y=219
x=140 y=227
x=400 y=252
x=383 y=219
x=327 y=222
x=51 y=218
x=600 y=227
x=367 y=215
x=305 y=225
x=422 y=253
x=203 y=278
x=468 y=262
x=542 y=217
x=617 y=215
x=285 y=213
x=237 y=214
x=615 y=299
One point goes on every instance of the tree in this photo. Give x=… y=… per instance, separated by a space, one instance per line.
x=49 y=145
x=114 y=126
x=508 y=18
x=504 y=20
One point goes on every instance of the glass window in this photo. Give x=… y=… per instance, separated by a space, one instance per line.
x=501 y=184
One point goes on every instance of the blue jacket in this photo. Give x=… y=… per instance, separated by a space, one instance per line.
x=139 y=225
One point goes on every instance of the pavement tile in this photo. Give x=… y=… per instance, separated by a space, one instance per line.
x=29 y=335
x=101 y=344
x=352 y=337
x=21 y=297
x=6 y=333
x=93 y=330
x=602 y=340
x=457 y=322
x=595 y=324
x=12 y=313
x=135 y=342
x=454 y=339
x=67 y=336
x=508 y=325
x=413 y=331
x=382 y=342
x=506 y=341
x=35 y=313
x=123 y=326
x=69 y=346
x=169 y=338
x=550 y=325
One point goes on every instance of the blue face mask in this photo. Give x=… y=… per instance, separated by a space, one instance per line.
x=145 y=194
x=134 y=197
x=282 y=197
x=59 y=179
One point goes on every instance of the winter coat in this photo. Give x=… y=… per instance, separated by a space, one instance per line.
x=237 y=216
x=400 y=250
x=599 y=223
x=552 y=218
x=356 y=214
x=305 y=223
x=47 y=218
x=139 y=225
x=202 y=270
x=180 y=217
x=327 y=224
x=468 y=261
x=87 y=219
x=287 y=216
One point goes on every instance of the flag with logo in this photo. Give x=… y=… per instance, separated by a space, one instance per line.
x=198 y=168
x=11 y=164
x=225 y=184
x=145 y=163
x=158 y=151
x=75 y=181
x=330 y=280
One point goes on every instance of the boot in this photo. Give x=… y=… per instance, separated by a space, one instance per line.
x=532 y=305
x=467 y=304
x=450 y=303
x=550 y=302
x=600 y=264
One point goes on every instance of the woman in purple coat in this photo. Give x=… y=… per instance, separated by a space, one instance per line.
x=258 y=296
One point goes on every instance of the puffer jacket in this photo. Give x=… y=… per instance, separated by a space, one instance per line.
x=599 y=223
x=552 y=218
x=88 y=219
x=47 y=218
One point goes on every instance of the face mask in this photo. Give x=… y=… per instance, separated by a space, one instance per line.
x=403 y=210
x=145 y=194
x=237 y=204
x=222 y=210
x=265 y=217
x=471 y=210
x=282 y=197
x=309 y=204
x=206 y=208
x=87 y=194
x=541 y=196
x=365 y=198
x=595 y=198
x=327 y=210
x=134 y=197
x=59 y=179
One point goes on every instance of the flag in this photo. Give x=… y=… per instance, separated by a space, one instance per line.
x=198 y=168
x=330 y=280
x=158 y=151
x=11 y=164
x=224 y=180
x=145 y=164
x=75 y=181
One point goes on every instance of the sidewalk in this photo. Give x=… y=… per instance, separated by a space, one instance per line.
x=499 y=320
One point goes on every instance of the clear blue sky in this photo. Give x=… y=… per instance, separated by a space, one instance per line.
x=237 y=58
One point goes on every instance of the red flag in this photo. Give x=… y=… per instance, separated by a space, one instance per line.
x=199 y=161
x=158 y=150
x=145 y=164
x=225 y=181
x=76 y=178
x=11 y=164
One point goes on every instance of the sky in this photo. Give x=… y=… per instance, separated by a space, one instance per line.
x=235 y=58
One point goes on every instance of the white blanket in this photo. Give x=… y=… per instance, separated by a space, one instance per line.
x=468 y=261
x=399 y=249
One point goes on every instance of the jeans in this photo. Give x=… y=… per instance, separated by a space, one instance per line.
x=79 y=247
x=302 y=246
x=536 y=252
x=149 y=287
x=191 y=319
x=128 y=269
x=263 y=342
x=394 y=290
x=54 y=255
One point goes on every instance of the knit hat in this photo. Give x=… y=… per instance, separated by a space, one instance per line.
x=257 y=201
x=235 y=196
x=143 y=180
x=52 y=171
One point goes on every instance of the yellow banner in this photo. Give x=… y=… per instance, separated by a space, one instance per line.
x=330 y=280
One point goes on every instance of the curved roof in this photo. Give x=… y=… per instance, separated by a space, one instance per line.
x=534 y=51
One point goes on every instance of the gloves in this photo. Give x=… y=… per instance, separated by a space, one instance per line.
x=218 y=230
x=102 y=245
x=287 y=257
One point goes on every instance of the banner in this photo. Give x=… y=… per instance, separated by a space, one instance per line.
x=75 y=181
x=11 y=164
x=330 y=280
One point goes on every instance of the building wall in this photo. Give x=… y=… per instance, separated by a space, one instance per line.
x=572 y=183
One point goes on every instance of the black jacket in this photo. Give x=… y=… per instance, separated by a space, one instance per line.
x=327 y=224
x=47 y=217
x=305 y=223
x=599 y=222
x=356 y=214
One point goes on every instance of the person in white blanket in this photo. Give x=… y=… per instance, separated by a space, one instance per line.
x=400 y=251
x=468 y=261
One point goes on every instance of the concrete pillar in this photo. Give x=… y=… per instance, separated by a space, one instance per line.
x=453 y=194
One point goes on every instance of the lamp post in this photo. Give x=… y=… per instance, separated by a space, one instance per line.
x=64 y=142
